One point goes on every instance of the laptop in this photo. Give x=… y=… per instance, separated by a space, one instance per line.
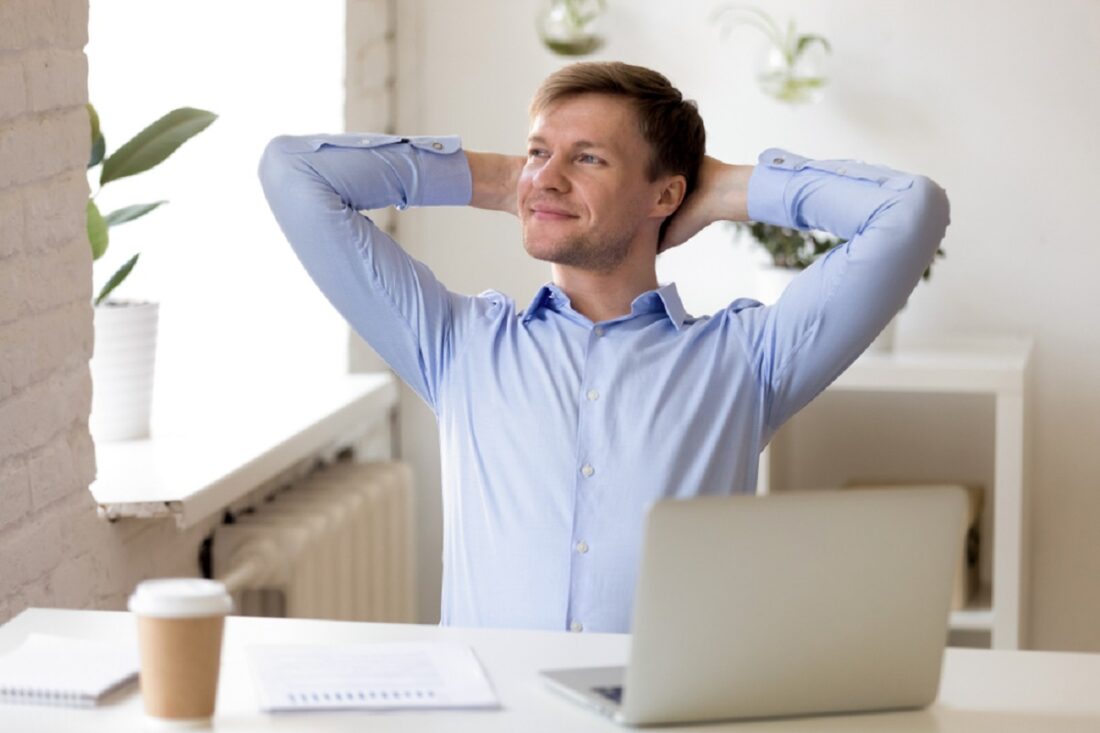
x=789 y=604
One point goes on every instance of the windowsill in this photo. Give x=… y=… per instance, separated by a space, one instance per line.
x=233 y=442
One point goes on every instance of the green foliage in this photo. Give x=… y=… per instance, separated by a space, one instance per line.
x=794 y=248
x=148 y=148
x=791 y=248
x=117 y=279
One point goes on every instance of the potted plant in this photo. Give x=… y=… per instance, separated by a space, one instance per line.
x=793 y=250
x=125 y=330
x=790 y=70
x=568 y=27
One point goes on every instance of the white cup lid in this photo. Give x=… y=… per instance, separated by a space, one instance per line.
x=180 y=598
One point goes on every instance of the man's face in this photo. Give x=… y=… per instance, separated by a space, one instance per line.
x=584 y=195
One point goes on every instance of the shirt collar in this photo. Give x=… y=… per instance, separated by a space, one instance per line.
x=664 y=298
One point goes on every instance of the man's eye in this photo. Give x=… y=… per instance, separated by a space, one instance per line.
x=536 y=153
x=588 y=158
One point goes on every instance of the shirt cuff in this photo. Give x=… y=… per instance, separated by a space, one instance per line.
x=444 y=171
x=768 y=186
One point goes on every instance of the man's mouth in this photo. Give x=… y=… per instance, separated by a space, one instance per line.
x=545 y=212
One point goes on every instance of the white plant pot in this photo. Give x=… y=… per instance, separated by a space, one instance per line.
x=122 y=370
x=771 y=281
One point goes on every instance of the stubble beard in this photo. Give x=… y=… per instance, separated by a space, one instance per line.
x=603 y=254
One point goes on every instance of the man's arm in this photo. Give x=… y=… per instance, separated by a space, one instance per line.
x=316 y=186
x=893 y=221
x=493 y=180
x=721 y=194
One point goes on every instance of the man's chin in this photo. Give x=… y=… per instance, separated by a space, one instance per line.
x=546 y=251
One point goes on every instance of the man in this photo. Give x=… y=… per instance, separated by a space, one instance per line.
x=561 y=422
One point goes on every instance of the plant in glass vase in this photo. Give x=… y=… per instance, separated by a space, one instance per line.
x=791 y=69
x=569 y=27
x=125 y=330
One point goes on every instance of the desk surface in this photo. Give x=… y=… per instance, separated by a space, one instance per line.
x=994 y=691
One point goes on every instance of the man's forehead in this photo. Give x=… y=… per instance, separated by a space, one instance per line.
x=586 y=120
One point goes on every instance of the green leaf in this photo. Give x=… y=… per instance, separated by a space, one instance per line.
x=99 y=145
x=805 y=41
x=97 y=230
x=129 y=213
x=117 y=278
x=156 y=142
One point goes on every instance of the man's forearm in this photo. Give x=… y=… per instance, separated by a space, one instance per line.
x=493 y=179
x=721 y=194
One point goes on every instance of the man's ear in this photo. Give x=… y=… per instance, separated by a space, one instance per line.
x=671 y=196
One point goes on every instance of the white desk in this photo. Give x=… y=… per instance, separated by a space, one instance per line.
x=982 y=691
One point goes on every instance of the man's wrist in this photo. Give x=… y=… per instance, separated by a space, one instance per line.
x=732 y=188
x=493 y=179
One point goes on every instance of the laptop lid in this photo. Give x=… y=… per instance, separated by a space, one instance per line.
x=794 y=603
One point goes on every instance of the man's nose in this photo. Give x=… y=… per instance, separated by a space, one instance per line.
x=551 y=175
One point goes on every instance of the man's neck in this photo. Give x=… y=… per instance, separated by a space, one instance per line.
x=601 y=296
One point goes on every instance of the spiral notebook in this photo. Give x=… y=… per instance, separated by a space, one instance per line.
x=56 y=670
x=375 y=676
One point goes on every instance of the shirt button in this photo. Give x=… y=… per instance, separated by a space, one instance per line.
x=593 y=395
x=778 y=161
x=587 y=470
x=576 y=626
x=841 y=171
x=437 y=146
x=598 y=330
x=582 y=547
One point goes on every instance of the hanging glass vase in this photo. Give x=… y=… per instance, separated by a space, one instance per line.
x=571 y=27
x=793 y=78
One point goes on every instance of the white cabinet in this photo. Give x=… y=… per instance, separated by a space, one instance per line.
x=996 y=368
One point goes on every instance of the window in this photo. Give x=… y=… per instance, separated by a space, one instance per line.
x=233 y=298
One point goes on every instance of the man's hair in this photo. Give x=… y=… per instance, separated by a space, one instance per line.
x=668 y=122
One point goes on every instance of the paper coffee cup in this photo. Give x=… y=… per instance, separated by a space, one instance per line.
x=180 y=622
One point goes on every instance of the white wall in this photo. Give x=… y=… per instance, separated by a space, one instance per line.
x=996 y=101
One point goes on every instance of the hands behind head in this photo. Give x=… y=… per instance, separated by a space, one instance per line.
x=720 y=195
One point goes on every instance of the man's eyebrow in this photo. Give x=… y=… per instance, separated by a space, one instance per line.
x=576 y=146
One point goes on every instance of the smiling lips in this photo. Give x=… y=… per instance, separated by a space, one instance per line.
x=546 y=212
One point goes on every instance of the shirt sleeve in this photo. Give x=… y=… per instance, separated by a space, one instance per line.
x=829 y=314
x=317 y=186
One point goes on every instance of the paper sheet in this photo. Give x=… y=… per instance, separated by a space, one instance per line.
x=384 y=675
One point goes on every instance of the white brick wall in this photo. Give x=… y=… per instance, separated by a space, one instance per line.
x=54 y=550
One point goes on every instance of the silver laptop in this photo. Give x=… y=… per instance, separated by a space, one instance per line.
x=788 y=604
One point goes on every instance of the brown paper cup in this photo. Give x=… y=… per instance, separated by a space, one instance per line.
x=180 y=624
x=180 y=659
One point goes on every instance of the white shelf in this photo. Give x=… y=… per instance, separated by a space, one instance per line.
x=958 y=365
x=977 y=616
x=993 y=367
x=233 y=438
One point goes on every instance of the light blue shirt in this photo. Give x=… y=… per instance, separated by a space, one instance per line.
x=557 y=433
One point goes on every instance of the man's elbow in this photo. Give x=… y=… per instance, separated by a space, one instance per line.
x=272 y=160
x=932 y=207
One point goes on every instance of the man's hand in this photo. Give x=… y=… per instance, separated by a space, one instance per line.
x=721 y=195
x=494 y=179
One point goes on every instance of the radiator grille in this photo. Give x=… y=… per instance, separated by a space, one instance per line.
x=336 y=545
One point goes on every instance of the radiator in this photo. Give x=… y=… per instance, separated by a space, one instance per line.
x=337 y=544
